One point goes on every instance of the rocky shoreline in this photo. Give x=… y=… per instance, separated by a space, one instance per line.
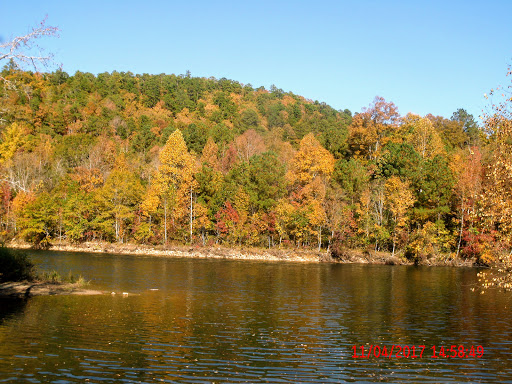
x=236 y=253
x=306 y=256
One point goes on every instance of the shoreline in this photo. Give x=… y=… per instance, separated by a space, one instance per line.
x=25 y=289
x=353 y=256
x=212 y=252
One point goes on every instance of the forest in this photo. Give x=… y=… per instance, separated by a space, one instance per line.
x=175 y=159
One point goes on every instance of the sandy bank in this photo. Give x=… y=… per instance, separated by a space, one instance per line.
x=28 y=289
x=306 y=256
x=243 y=253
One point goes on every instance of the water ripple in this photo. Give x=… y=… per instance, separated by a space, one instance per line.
x=256 y=322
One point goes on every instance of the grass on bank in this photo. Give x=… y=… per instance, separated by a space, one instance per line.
x=16 y=266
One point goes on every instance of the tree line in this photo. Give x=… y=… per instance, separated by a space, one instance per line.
x=156 y=159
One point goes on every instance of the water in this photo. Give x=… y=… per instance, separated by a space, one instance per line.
x=239 y=321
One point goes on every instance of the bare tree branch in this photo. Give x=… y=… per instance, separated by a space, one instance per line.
x=26 y=53
x=24 y=50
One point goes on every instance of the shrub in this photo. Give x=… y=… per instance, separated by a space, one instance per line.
x=422 y=245
x=338 y=247
x=15 y=266
x=482 y=246
x=52 y=277
x=431 y=241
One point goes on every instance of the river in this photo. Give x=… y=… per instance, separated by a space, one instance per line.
x=205 y=321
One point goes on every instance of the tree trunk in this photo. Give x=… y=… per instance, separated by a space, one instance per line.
x=319 y=239
x=460 y=232
x=191 y=215
x=165 y=222
x=117 y=229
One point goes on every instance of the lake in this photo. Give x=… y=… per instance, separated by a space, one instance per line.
x=212 y=321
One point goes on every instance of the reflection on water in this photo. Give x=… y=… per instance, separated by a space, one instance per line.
x=10 y=308
x=229 y=321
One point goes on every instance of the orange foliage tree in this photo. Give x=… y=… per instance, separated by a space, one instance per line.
x=467 y=167
x=308 y=178
x=371 y=128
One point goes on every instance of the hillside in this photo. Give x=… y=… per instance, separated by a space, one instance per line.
x=155 y=159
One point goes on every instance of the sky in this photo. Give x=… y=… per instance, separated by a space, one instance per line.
x=424 y=56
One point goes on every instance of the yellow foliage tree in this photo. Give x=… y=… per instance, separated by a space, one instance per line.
x=210 y=155
x=13 y=138
x=497 y=202
x=497 y=196
x=466 y=165
x=284 y=212
x=399 y=199
x=308 y=177
x=118 y=199
x=420 y=132
x=173 y=183
x=241 y=204
x=372 y=128
x=310 y=162
x=201 y=220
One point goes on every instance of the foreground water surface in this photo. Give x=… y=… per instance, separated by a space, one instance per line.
x=204 y=321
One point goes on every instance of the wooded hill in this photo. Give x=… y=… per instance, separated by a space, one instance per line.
x=156 y=159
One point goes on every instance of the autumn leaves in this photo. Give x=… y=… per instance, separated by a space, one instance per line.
x=158 y=159
x=184 y=193
x=172 y=184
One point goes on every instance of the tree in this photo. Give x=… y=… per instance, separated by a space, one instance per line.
x=23 y=50
x=308 y=178
x=118 y=200
x=352 y=176
x=230 y=223
x=400 y=160
x=467 y=166
x=433 y=189
x=202 y=221
x=249 y=119
x=497 y=196
x=262 y=177
x=272 y=160
x=451 y=132
x=173 y=183
x=38 y=220
x=469 y=124
x=377 y=205
x=310 y=162
x=210 y=153
x=420 y=132
x=248 y=144
x=338 y=212
x=399 y=199
x=13 y=137
x=371 y=128
x=78 y=211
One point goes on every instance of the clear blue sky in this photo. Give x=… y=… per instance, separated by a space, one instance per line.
x=425 y=56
